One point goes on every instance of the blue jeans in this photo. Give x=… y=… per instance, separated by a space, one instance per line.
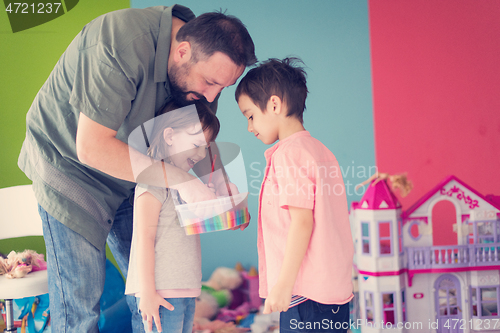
x=180 y=320
x=76 y=272
x=311 y=316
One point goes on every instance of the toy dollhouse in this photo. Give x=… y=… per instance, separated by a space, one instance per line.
x=434 y=267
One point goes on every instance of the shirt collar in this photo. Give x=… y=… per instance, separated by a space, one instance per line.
x=270 y=151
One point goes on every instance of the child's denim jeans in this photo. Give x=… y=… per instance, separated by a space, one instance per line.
x=311 y=316
x=180 y=320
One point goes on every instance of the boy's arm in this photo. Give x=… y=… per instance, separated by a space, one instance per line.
x=147 y=210
x=297 y=243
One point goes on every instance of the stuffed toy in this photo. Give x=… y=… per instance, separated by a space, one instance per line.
x=3 y=264
x=222 y=281
x=399 y=181
x=215 y=294
x=17 y=265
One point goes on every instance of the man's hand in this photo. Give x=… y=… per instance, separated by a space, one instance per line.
x=278 y=300
x=149 y=306
x=194 y=191
x=224 y=190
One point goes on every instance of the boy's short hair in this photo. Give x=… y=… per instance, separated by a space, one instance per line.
x=283 y=78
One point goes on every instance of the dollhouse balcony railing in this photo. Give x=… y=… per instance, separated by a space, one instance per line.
x=457 y=256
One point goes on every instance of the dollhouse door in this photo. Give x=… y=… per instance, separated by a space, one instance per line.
x=448 y=301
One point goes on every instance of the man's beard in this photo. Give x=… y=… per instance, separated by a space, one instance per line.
x=178 y=86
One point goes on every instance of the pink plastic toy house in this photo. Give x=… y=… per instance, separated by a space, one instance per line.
x=433 y=268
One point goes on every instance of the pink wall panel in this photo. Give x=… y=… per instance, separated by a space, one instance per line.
x=436 y=90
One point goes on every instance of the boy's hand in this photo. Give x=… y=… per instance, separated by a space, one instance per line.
x=240 y=227
x=278 y=300
x=149 y=310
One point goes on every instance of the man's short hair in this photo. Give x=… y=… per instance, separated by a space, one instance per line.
x=283 y=78
x=218 y=32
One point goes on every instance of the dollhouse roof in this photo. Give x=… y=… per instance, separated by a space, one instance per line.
x=491 y=199
x=378 y=196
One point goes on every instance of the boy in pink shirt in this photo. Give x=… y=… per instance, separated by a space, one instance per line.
x=304 y=238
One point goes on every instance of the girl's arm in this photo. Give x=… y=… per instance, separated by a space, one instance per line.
x=297 y=243
x=147 y=209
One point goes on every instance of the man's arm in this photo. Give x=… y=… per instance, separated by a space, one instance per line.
x=98 y=147
x=297 y=243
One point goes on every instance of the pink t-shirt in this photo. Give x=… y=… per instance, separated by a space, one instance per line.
x=302 y=172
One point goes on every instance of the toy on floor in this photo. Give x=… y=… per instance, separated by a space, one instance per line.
x=225 y=301
x=18 y=264
x=399 y=181
x=218 y=326
x=264 y=323
x=216 y=292
x=248 y=291
x=31 y=314
x=235 y=315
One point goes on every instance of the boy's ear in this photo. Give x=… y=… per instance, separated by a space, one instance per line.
x=168 y=134
x=182 y=53
x=274 y=105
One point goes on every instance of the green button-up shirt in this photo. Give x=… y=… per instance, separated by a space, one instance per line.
x=114 y=72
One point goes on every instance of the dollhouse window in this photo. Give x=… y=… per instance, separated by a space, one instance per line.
x=471 y=231
x=388 y=308
x=403 y=304
x=384 y=233
x=413 y=230
x=485 y=232
x=400 y=235
x=365 y=237
x=484 y=301
x=489 y=301
x=369 y=306
x=473 y=301
x=497 y=223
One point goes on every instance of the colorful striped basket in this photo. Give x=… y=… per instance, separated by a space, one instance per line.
x=220 y=214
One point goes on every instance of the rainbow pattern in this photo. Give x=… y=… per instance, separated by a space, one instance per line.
x=222 y=221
